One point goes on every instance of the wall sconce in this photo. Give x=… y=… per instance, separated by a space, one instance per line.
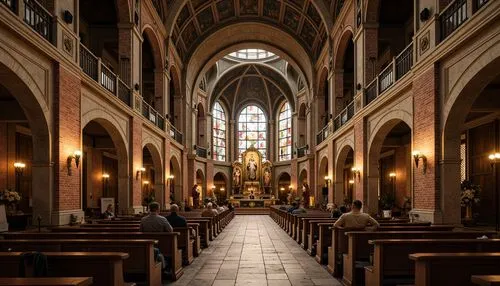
x=77 y=154
x=356 y=172
x=328 y=180
x=140 y=171
x=171 y=177
x=105 y=176
x=145 y=182
x=282 y=189
x=290 y=188
x=392 y=175
x=417 y=155
x=351 y=182
x=19 y=167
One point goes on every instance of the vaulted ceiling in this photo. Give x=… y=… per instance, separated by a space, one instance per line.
x=199 y=18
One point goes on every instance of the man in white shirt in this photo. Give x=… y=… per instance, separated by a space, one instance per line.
x=355 y=218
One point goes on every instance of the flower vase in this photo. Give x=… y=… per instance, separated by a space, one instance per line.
x=468 y=213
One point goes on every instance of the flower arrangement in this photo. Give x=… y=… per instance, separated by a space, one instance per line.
x=10 y=196
x=470 y=194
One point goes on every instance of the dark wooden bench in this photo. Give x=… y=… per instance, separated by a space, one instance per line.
x=391 y=263
x=106 y=268
x=486 y=280
x=141 y=265
x=167 y=242
x=453 y=268
x=47 y=281
x=312 y=236
x=359 y=249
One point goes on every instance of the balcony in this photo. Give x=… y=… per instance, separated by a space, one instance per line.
x=323 y=134
x=453 y=17
x=201 y=151
x=174 y=133
x=344 y=116
x=95 y=69
x=398 y=68
x=152 y=115
x=302 y=151
x=11 y=4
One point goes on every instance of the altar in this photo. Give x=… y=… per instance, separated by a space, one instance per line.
x=248 y=203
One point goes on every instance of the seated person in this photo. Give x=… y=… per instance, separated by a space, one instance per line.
x=220 y=209
x=355 y=218
x=251 y=196
x=108 y=214
x=174 y=219
x=230 y=207
x=336 y=213
x=154 y=222
x=299 y=210
x=209 y=211
x=293 y=207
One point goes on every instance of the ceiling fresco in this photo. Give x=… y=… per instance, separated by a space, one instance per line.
x=199 y=18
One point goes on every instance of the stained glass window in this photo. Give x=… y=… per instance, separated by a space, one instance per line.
x=285 y=133
x=252 y=127
x=219 y=133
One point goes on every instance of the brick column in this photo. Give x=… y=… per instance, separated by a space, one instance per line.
x=135 y=162
x=67 y=131
x=370 y=40
x=360 y=183
x=426 y=192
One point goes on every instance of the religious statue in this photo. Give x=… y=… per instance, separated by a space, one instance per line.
x=251 y=196
x=196 y=196
x=252 y=169
x=236 y=177
x=267 y=178
x=305 y=194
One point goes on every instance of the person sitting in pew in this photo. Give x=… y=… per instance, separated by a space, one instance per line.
x=299 y=210
x=154 y=222
x=293 y=207
x=355 y=218
x=109 y=214
x=209 y=211
x=174 y=219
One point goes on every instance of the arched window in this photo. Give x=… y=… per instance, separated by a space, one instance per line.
x=219 y=133
x=285 y=132
x=252 y=130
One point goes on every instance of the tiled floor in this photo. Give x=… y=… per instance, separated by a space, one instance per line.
x=254 y=250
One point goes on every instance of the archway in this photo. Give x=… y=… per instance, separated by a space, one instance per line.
x=283 y=187
x=152 y=79
x=323 y=112
x=389 y=167
x=344 y=74
x=302 y=126
x=344 y=180
x=221 y=187
x=24 y=131
x=470 y=134
x=323 y=176
x=175 y=182
x=175 y=100
x=153 y=174
x=105 y=167
x=202 y=186
x=201 y=126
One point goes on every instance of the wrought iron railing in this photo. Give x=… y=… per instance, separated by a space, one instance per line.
x=174 y=133
x=38 y=18
x=323 y=134
x=108 y=79
x=88 y=62
x=399 y=67
x=452 y=17
x=480 y=3
x=344 y=116
x=124 y=93
x=201 y=152
x=11 y=4
x=152 y=115
x=302 y=151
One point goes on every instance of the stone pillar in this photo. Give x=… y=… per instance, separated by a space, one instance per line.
x=370 y=40
x=67 y=134
x=135 y=162
x=360 y=184
x=42 y=194
x=233 y=141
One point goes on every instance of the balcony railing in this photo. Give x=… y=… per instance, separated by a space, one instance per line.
x=453 y=17
x=398 y=68
x=480 y=3
x=201 y=152
x=152 y=115
x=323 y=134
x=344 y=116
x=302 y=151
x=174 y=133
x=38 y=18
x=11 y=4
x=124 y=92
x=108 y=79
x=88 y=62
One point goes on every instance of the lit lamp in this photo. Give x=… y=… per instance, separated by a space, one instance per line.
x=494 y=161
x=139 y=172
x=77 y=154
x=392 y=175
x=351 y=182
x=19 y=167
x=356 y=172
x=328 y=180
x=417 y=155
x=213 y=189
x=105 y=179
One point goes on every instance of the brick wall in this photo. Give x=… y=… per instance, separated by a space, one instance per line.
x=425 y=139
x=136 y=160
x=359 y=154
x=67 y=139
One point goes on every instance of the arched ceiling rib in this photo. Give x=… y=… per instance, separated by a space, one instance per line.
x=197 y=19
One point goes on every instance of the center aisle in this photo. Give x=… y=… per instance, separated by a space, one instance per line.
x=254 y=250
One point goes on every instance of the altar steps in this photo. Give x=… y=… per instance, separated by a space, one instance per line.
x=251 y=211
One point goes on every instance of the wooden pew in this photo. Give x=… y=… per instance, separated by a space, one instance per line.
x=106 y=268
x=359 y=250
x=47 y=281
x=167 y=242
x=141 y=252
x=453 y=268
x=305 y=229
x=312 y=236
x=323 y=242
x=391 y=263
x=486 y=280
x=339 y=242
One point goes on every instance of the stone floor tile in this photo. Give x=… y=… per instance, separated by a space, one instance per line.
x=224 y=282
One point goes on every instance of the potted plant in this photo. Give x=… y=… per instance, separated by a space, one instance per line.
x=10 y=198
x=470 y=195
x=387 y=201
